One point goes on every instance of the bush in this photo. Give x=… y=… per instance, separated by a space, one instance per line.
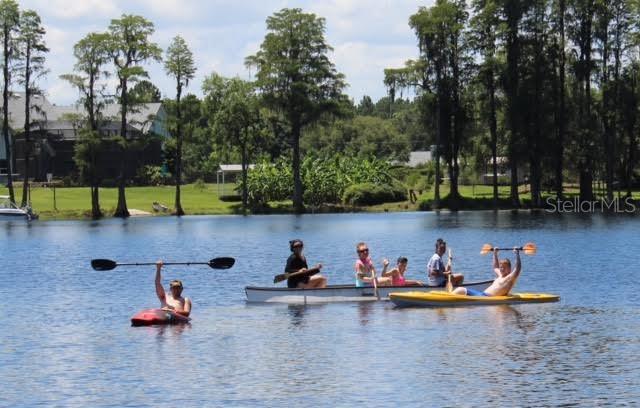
x=371 y=194
x=153 y=176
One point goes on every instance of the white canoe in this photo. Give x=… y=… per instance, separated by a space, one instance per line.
x=337 y=293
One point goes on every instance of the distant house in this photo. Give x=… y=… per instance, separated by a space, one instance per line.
x=229 y=173
x=504 y=172
x=416 y=159
x=55 y=133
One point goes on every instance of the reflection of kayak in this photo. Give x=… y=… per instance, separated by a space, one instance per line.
x=149 y=317
x=445 y=299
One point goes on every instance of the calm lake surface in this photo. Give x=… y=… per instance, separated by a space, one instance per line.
x=66 y=339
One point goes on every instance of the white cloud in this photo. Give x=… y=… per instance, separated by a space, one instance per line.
x=367 y=35
x=73 y=9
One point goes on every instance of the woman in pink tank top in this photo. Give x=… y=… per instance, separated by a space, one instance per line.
x=365 y=270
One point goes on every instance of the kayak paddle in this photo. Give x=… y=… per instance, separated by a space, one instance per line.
x=284 y=276
x=529 y=249
x=215 y=263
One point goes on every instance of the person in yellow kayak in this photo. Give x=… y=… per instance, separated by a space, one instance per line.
x=173 y=300
x=436 y=270
x=506 y=278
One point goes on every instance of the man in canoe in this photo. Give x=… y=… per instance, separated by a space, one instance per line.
x=173 y=300
x=297 y=262
x=505 y=280
x=436 y=270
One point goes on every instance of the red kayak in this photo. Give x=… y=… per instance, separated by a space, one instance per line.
x=150 y=317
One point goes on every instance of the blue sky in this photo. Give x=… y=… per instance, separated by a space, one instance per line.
x=367 y=36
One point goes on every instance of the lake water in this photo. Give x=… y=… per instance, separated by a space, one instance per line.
x=66 y=338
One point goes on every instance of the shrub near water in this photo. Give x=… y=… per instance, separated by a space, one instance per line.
x=371 y=194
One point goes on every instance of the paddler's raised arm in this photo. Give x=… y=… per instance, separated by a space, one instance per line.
x=518 y=267
x=496 y=262
x=159 y=288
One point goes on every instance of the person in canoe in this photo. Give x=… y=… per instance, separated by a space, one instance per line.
x=397 y=274
x=173 y=300
x=504 y=282
x=366 y=271
x=297 y=262
x=436 y=270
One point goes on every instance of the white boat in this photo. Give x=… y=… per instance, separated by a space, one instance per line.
x=337 y=293
x=9 y=210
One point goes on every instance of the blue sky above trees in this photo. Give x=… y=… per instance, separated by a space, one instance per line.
x=367 y=35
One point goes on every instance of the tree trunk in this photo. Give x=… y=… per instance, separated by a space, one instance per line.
x=513 y=54
x=561 y=113
x=298 y=204
x=96 y=213
x=27 y=126
x=121 y=208
x=493 y=128
x=178 y=205
x=245 y=195
x=5 y=114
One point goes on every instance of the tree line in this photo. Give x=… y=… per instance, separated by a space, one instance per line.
x=550 y=84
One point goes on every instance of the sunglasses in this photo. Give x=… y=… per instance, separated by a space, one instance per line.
x=362 y=251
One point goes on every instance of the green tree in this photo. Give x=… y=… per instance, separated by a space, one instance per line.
x=91 y=54
x=130 y=46
x=32 y=50
x=297 y=78
x=581 y=15
x=145 y=92
x=9 y=24
x=238 y=123
x=179 y=64
x=483 y=37
x=440 y=32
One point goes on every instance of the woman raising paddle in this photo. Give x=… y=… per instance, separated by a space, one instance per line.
x=174 y=300
x=297 y=263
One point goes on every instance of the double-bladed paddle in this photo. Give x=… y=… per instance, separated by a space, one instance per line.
x=529 y=249
x=215 y=263
x=285 y=276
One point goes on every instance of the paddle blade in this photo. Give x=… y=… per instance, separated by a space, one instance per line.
x=279 y=278
x=530 y=248
x=103 y=264
x=224 y=262
x=486 y=248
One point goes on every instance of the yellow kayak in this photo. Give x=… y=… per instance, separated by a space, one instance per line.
x=446 y=299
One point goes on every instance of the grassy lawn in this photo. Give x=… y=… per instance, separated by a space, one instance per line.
x=75 y=202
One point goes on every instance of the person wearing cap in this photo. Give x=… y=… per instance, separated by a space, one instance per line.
x=173 y=300
x=297 y=262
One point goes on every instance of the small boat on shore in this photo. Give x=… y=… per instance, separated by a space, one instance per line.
x=337 y=293
x=9 y=210
x=446 y=299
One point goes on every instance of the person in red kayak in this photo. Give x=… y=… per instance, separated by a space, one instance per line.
x=174 y=300
x=506 y=278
